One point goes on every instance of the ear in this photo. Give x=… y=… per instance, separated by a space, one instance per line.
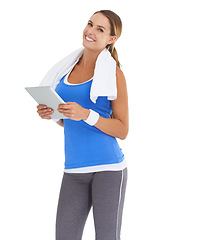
x=112 y=39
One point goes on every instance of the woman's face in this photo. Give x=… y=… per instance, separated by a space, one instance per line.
x=96 y=35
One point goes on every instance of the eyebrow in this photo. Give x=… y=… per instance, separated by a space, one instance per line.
x=97 y=25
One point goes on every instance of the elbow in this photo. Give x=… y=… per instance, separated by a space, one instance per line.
x=123 y=137
x=124 y=134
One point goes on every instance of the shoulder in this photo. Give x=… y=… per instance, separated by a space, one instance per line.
x=119 y=72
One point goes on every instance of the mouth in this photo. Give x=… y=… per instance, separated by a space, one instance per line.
x=89 y=39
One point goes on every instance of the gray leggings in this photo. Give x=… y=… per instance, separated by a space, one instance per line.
x=105 y=191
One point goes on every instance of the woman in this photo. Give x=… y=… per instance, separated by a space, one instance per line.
x=95 y=171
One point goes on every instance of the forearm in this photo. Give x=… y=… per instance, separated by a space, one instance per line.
x=113 y=127
x=110 y=126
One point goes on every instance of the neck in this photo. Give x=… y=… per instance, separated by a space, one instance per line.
x=88 y=59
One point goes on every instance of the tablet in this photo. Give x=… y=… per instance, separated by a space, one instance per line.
x=47 y=96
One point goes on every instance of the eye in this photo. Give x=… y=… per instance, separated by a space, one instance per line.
x=90 y=24
x=100 y=29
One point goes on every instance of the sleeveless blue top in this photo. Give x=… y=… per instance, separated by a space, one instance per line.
x=86 y=145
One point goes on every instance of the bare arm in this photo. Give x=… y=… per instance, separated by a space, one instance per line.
x=118 y=126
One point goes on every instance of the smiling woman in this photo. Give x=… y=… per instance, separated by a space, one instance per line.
x=92 y=154
x=97 y=31
x=111 y=25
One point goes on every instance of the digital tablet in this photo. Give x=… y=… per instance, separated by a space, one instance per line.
x=47 y=96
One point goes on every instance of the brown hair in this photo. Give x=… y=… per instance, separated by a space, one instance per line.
x=116 y=29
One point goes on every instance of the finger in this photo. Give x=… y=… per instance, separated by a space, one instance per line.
x=63 y=106
x=68 y=115
x=45 y=117
x=67 y=104
x=45 y=113
x=41 y=106
x=64 y=111
x=49 y=109
x=46 y=110
x=48 y=117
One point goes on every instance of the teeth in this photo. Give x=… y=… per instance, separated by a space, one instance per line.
x=89 y=39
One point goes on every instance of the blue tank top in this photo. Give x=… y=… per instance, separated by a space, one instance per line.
x=86 y=145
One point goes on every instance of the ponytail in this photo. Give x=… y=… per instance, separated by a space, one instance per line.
x=114 y=53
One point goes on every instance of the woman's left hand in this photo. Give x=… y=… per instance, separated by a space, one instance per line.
x=73 y=111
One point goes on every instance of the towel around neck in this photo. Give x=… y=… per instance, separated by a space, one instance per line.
x=104 y=79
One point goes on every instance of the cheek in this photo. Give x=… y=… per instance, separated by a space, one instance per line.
x=105 y=39
x=101 y=39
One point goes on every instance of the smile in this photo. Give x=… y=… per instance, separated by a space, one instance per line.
x=89 y=39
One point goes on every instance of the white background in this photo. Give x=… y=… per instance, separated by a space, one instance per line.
x=169 y=56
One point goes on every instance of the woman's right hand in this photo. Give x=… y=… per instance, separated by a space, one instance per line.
x=44 y=112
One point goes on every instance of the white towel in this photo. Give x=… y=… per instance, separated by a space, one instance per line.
x=104 y=79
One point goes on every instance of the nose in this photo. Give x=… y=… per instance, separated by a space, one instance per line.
x=89 y=32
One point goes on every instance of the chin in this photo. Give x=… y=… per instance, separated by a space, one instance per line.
x=86 y=45
x=92 y=48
